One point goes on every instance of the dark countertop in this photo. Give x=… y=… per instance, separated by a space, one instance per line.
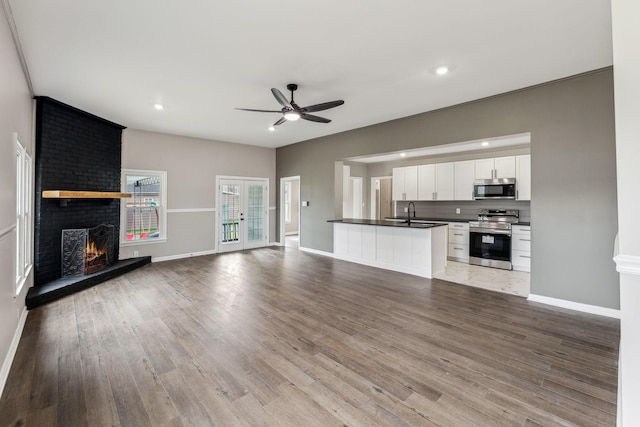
x=419 y=218
x=384 y=223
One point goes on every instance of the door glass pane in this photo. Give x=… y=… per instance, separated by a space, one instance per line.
x=254 y=214
x=230 y=212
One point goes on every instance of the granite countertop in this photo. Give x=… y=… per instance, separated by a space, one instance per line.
x=385 y=223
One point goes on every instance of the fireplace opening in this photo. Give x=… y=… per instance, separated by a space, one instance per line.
x=87 y=250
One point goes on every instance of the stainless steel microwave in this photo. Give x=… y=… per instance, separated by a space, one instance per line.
x=497 y=188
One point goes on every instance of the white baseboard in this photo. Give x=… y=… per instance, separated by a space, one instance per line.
x=317 y=252
x=8 y=360
x=585 y=308
x=181 y=256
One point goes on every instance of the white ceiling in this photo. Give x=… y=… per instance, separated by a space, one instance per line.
x=204 y=58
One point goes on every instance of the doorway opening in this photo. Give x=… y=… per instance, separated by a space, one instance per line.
x=290 y=211
x=381 y=197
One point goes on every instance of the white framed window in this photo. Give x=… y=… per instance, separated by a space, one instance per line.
x=24 y=197
x=144 y=214
x=287 y=202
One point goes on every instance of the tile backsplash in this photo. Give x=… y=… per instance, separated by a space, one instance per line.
x=468 y=209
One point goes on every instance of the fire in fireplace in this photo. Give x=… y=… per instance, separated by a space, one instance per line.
x=86 y=250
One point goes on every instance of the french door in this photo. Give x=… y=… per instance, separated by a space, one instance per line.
x=243 y=214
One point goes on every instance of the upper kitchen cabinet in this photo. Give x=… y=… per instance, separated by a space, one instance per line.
x=498 y=167
x=523 y=177
x=405 y=183
x=464 y=176
x=436 y=181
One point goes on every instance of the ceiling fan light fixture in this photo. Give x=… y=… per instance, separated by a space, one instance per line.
x=442 y=70
x=292 y=115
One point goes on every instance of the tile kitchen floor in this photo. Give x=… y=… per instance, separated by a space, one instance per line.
x=493 y=279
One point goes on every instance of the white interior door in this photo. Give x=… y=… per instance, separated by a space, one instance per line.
x=243 y=214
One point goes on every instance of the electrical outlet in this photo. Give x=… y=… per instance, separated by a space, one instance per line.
x=458 y=211
x=406 y=210
x=136 y=254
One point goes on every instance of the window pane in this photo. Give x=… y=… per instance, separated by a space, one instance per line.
x=230 y=212
x=143 y=209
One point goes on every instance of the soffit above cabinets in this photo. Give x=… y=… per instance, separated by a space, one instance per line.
x=522 y=140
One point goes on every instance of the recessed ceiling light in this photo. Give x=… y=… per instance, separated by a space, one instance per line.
x=272 y=128
x=485 y=143
x=158 y=107
x=442 y=70
x=403 y=154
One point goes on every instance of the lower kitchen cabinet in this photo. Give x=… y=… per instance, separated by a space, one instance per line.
x=413 y=250
x=458 y=248
x=521 y=247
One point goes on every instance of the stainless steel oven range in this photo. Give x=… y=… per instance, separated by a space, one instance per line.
x=490 y=238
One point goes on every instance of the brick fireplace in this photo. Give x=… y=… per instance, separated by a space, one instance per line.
x=75 y=150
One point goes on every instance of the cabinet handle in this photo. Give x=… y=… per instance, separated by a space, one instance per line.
x=518 y=194
x=458 y=249
x=458 y=234
x=525 y=256
x=525 y=240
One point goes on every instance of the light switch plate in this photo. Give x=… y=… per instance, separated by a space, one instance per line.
x=305 y=203
x=458 y=211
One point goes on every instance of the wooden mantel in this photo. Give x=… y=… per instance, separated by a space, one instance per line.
x=67 y=194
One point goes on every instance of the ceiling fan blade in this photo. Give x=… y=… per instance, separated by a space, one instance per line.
x=280 y=121
x=313 y=118
x=259 y=111
x=323 y=106
x=281 y=98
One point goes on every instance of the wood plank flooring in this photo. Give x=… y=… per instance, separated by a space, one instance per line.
x=279 y=337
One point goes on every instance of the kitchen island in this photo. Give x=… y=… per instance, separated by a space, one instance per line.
x=414 y=248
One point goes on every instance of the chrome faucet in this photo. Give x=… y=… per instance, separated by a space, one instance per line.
x=409 y=212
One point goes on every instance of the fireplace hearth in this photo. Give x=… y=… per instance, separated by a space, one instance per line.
x=87 y=250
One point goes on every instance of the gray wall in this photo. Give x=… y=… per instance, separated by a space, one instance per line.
x=573 y=207
x=192 y=165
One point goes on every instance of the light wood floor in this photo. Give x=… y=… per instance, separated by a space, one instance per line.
x=276 y=336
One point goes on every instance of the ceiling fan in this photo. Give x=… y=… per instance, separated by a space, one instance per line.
x=291 y=111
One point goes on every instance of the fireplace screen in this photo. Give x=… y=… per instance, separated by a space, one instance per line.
x=86 y=250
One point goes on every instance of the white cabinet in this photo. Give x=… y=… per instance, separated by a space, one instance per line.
x=405 y=183
x=523 y=177
x=464 y=174
x=484 y=168
x=427 y=182
x=354 y=241
x=444 y=181
x=412 y=250
x=505 y=167
x=521 y=247
x=436 y=181
x=498 y=167
x=458 y=248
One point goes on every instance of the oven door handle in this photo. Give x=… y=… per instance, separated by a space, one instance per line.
x=489 y=231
